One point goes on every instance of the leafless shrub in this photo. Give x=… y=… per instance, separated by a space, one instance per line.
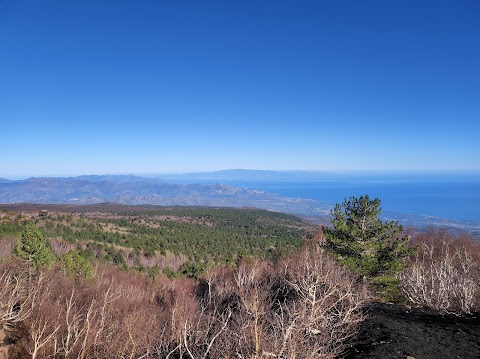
x=252 y=285
x=99 y=318
x=6 y=244
x=18 y=294
x=304 y=307
x=179 y=308
x=444 y=274
x=60 y=247
x=320 y=309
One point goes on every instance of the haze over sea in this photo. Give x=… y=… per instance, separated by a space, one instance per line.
x=451 y=196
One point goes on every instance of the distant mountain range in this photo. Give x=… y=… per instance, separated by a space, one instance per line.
x=257 y=175
x=138 y=190
x=135 y=190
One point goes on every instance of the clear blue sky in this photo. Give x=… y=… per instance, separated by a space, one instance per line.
x=175 y=86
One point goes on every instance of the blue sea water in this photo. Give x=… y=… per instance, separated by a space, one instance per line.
x=452 y=197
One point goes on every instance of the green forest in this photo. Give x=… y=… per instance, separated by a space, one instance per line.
x=198 y=237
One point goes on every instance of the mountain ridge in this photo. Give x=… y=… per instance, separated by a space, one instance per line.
x=135 y=190
x=247 y=174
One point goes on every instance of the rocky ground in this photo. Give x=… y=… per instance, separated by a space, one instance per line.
x=392 y=331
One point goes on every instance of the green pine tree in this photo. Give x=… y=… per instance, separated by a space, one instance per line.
x=360 y=240
x=74 y=264
x=34 y=248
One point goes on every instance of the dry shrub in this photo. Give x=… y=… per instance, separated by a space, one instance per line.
x=306 y=307
x=60 y=247
x=303 y=307
x=444 y=274
x=6 y=245
x=112 y=316
x=18 y=294
x=177 y=303
x=318 y=310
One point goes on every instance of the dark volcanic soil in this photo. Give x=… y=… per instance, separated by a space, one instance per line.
x=392 y=331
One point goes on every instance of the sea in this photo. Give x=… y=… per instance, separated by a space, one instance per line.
x=451 y=196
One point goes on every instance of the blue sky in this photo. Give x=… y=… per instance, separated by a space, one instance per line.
x=177 y=86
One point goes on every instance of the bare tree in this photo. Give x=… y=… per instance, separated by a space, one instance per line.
x=321 y=310
x=41 y=334
x=19 y=295
x=444 y=274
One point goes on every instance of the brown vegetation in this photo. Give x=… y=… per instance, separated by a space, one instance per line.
x=444 y=274
x=305 y=306
x=72 y=318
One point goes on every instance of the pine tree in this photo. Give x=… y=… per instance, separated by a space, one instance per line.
x=34 y=247
x=363 y=242
x=74 y=264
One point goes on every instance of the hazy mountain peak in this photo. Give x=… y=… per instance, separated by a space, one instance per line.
x=140 y=190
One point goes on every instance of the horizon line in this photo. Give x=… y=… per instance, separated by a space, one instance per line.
x=200 y=172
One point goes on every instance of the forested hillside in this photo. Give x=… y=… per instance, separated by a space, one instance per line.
x=186 y=239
